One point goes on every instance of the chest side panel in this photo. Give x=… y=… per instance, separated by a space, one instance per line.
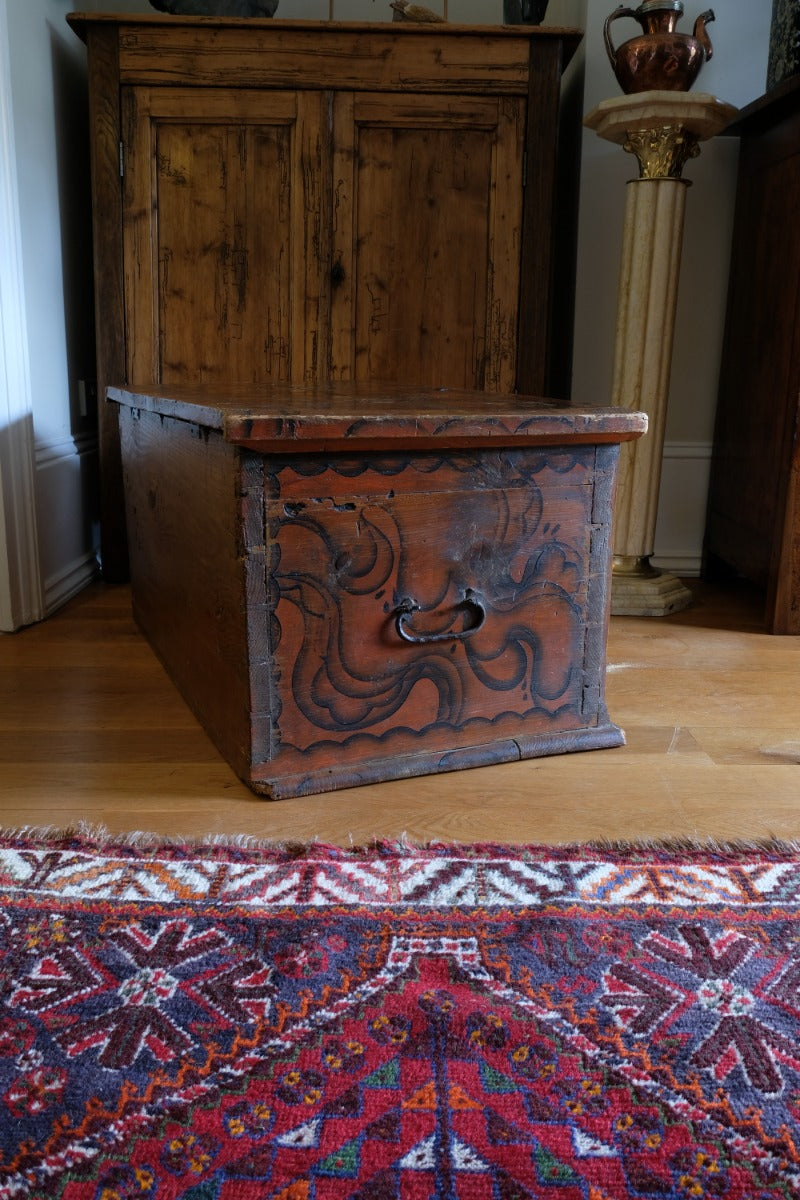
x=195 y=518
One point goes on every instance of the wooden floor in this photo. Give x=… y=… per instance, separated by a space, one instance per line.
x=91 y=729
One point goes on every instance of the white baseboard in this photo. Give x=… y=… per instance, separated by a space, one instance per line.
x=685 y=471
x=52 y=451
x=66 y=472
x=71 y=579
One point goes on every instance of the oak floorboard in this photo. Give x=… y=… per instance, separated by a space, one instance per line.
x=92 y=730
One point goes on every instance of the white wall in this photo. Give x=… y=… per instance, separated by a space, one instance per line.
x=48 y=105
x=47 y=208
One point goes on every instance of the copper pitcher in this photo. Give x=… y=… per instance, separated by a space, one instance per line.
x=659 y=58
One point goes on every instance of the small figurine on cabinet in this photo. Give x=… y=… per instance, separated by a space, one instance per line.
x=404 y=11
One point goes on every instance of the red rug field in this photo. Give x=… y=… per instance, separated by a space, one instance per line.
x=454 y=1022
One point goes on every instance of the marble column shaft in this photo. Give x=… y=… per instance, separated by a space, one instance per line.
x=648 y=293
x=662 y=129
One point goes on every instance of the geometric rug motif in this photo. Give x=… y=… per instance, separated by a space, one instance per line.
x=224 y=1022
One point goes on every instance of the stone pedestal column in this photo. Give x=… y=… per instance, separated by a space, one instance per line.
x=662 y=129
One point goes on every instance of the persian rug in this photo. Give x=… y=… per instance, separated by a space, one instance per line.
x=479 y=1022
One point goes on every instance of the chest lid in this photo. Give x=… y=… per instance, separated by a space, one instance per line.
x=284 y=418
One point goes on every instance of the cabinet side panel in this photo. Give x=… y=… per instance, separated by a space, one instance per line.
x=187 y=528
x=108 y=284
x=760 y=373
x=139 y=243
x=539 y=217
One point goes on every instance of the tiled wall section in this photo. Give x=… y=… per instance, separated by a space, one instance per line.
x=467 y=11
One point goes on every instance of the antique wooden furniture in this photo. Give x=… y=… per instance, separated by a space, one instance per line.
x=753 y=523
x=353 y=583
x=284 y=200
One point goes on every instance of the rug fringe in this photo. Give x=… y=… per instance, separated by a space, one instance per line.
x=101 y=838
x=683 y=843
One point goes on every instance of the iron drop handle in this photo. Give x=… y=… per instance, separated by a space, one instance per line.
x=406 y=609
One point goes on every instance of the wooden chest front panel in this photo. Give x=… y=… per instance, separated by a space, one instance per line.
x=512 y=541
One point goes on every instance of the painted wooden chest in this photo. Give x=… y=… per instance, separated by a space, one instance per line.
x=353 y=583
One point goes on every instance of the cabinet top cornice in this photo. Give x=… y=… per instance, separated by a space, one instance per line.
x=79 y=21
x=250 y=52
x=569 y=38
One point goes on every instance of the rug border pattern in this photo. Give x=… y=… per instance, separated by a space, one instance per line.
x=261 y=876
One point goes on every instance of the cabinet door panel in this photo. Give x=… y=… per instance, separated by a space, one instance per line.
x=427 y=215
x=224 y=193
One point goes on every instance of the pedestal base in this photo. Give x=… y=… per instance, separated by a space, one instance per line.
x=655 y=595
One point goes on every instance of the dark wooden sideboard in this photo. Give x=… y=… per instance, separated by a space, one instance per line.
x=294 y=201
x=753 y=521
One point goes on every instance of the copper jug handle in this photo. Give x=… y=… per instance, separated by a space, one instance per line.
x=622 y=11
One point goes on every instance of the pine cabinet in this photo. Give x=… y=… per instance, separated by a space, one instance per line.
x=280 y=201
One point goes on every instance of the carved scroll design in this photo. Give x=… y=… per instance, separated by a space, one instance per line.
x=341 y=570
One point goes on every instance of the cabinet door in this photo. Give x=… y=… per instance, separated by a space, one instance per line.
x=226 y=221
x=427 y=210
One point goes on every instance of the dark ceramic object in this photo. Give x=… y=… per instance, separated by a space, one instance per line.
x=524 y=12
x=217 y=8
